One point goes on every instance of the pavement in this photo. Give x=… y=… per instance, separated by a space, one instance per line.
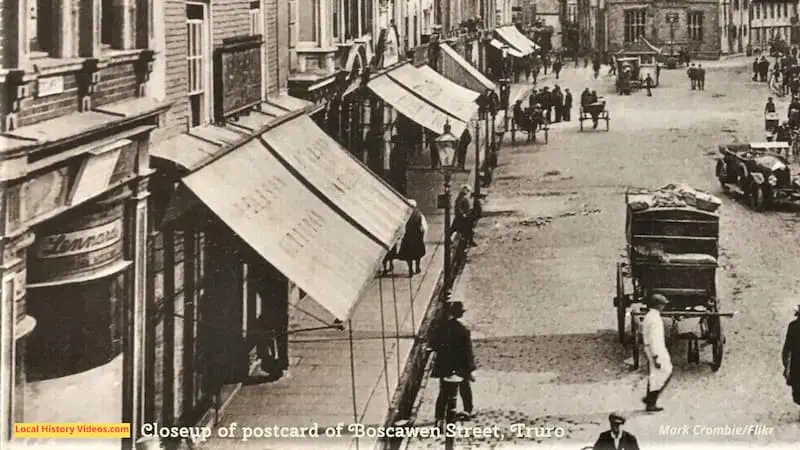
x=539 y=287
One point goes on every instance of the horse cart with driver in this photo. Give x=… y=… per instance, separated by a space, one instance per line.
x=672 y=249
x=594 y=112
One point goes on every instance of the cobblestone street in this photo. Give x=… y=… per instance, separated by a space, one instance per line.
x=538 y=289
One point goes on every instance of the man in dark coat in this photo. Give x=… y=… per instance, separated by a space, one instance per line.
x=791 y=356
x=464 y=220
x=567 y=105
x=701 y=77
x=557 y=65
x=616 y=438
x=452 y=343
x=557 y=99
x=648 y=85
x=755 y=69
x=691 y=72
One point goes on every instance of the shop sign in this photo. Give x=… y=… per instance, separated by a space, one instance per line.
x=79 y=242
x=237 y=76
x=49 y=86
x=388 y=47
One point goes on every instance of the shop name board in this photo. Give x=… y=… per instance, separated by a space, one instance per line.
x=79 y=242
x=237 y=76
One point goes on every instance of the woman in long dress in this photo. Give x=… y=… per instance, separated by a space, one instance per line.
x=412 y=247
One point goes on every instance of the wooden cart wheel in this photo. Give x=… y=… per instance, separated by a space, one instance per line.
x=620 y=303
x=717 y=341
x=635 y=341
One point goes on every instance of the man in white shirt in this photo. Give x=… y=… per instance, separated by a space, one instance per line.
x=655 y=347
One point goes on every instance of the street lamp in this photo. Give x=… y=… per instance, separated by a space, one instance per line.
x=450 y=384
x=446 y=149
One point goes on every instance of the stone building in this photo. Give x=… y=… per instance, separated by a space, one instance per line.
x=77 y=110
x=692 y=25
x=771 y=20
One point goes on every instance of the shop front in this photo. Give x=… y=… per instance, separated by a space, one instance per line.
x=73 y=266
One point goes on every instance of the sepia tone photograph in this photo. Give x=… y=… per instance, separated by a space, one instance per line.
x=399 y=224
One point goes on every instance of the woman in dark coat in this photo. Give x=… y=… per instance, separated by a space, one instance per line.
x=412 y=247
x=791 y=356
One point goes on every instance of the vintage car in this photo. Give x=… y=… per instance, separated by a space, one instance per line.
x=759 y=172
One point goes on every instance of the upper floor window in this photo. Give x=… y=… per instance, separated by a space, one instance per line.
x=308 y=14
x=772 y=10
x=695 y=23
x=757 y=8
x=785 y=10
x=635 y=23
x=256 y=19
x=199 y=63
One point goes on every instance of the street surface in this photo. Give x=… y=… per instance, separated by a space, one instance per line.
x=538 y=289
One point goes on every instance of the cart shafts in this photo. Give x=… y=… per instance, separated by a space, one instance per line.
x=689 y=314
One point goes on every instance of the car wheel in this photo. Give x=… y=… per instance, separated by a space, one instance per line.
x=759 y=198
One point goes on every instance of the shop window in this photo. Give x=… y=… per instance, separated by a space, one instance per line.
x=635 y=23
x=199 y=63
x=79 y=327
x=695 y=23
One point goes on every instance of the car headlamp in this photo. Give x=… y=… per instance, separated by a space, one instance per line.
x=772 y=180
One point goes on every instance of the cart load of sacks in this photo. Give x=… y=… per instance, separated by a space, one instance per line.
x=675 y=196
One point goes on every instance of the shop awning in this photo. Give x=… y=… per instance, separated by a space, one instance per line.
x=509 y=36
x=307 y=207
x=458 y=69
x=414 y=106
x=511 y=50
x=438 y=90
x=524 y=40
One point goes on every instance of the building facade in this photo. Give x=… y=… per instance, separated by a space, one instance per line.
x=693 y=26
x=770 y=20
x=739 y=26
x=78 y=110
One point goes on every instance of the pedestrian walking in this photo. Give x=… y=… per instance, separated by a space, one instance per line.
x=616 y=438
x=648 y=85
x=412 y=246
x=596 y=67
x=756 y=67
x=691 y=72
x=791 y=356
x=701 y=77
x=557 y=65
x=763 y=69
x=557 y=97
x=452 y=342
x=655 y=348
x=567 y=105
x=464 y=220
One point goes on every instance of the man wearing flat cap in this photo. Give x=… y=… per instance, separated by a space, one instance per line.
x=452 y=342
x=655 y=347
x=464 y=221
x=616 y=438
x=791 y=356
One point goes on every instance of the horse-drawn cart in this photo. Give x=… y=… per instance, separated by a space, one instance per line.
x=594 y=112
x=672 y=248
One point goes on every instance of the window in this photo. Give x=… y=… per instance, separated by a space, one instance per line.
x=635 y=21
x=735 y=4
x=572 y=13
x=758 y=10
x=308 y=20
x=772 y=10
x=335 y=22
x=256 y=19
x=695 y=22
x=406 y=34
x=785 y=10
x=46 y=35
x=199 y=63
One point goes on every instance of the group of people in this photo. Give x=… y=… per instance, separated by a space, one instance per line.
x=760 y=69
x=697 y=77
x=412 y=246
x=545 y=106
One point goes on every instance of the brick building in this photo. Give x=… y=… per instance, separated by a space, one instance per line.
x=692 y=25
x=77 y=111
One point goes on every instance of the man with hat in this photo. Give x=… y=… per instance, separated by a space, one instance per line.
x=452 y=343
x=616 y=438
x=464 y=221
x=655 y=347
x=791 y=356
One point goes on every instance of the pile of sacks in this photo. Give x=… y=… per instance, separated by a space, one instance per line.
x=673 y=195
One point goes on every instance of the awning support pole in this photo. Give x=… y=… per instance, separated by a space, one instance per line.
x=396 y=331
x=353 y=375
